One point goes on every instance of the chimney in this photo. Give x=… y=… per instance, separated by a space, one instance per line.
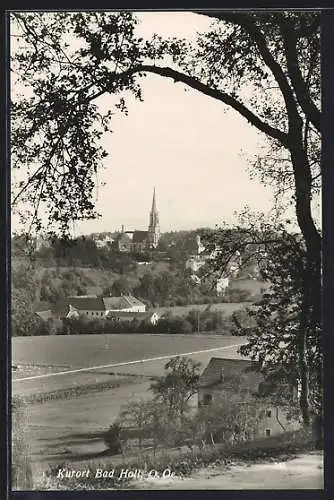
x=122 y=228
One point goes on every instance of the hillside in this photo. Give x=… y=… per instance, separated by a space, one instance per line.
x=160 y=278
x=161 y=283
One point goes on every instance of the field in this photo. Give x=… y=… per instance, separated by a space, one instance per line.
x=226 y=308
x=70 y=426
x=252 y=285
x=90 y=350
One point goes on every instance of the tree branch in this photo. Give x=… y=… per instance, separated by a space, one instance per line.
x=220 y=96
x=248 y=24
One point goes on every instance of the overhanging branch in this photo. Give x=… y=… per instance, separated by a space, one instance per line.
x=227 y=99
x=255 y=34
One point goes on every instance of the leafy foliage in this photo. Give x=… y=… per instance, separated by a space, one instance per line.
x=272 y=324
x=56 y=125
x=178 y=385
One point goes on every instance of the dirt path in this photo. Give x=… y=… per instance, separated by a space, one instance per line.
x=303 y=472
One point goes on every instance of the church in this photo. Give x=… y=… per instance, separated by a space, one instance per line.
x=140 y=241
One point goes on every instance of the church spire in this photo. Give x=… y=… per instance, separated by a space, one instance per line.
x=153 y=228
x=154 y=205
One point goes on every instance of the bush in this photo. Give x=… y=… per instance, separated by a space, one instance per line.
x=112 y=439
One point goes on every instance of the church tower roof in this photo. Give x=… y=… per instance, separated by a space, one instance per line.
x=153 y=228
x=154 y=205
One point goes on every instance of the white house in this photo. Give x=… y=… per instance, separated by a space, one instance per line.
x=222 y=285
x=194 y=263
x=105 y=241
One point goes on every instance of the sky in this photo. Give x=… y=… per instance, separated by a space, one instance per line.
x=186 y=145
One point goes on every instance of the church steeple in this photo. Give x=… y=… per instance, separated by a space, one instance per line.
x=154 y=206
x=154 y=228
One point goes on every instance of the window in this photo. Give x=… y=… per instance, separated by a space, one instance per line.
x=87 y=312
x=92 y=313
x=207 y=398
x=101 y=313
x=267 y=432
x=268 y=413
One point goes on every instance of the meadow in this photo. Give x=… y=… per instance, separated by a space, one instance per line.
x=93 y=350
x=226 y=308
x=70 y=427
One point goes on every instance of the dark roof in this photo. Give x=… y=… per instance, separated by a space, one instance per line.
x=123 y=302
x=94 y=303
x=132 y=237
x=123 y=238
x=80 y=303
x=220 y=368
x=140 y=236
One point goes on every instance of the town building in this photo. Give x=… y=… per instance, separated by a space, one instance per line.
x=139 y=241
x=89 y=306
x=220 y=375
x=197 y=259
x=124 y=303
x=222 y=285
x=104 y=241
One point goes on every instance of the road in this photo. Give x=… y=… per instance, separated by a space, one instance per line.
x=302 y=472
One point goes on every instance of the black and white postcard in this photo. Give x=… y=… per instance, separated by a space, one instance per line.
x=166 y=268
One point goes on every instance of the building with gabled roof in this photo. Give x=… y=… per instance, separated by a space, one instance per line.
x=223 y=375
x=91 y=306
x=139 y=241
x=126 y=303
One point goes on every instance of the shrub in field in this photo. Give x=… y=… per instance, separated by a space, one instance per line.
x=112 y=439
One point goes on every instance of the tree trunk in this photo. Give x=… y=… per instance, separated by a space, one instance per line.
x=311 y=300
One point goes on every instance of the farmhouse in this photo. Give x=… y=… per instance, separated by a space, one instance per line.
x=90 y=306
x=230 y=375
x=125 y=303
x=84 y=306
